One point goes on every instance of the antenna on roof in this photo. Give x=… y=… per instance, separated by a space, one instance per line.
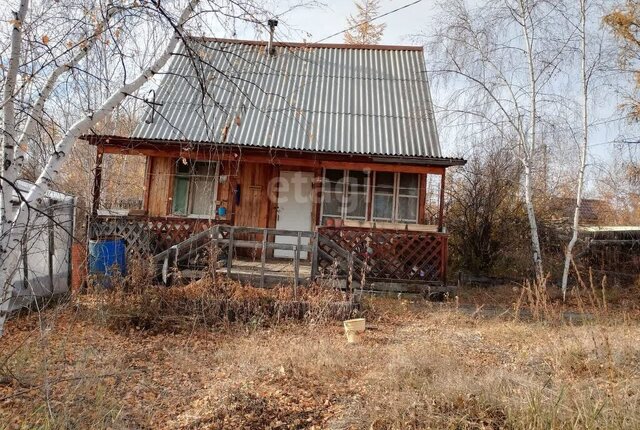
x=272 y=23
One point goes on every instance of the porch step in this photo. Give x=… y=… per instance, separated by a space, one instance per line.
x=271 y=278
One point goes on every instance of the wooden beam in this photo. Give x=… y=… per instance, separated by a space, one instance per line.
x=296 y=266
x=169 y=191
x=147 y=183
x=97 y=181
x=301 y=160
x=441 y=214
x=381 y=167
x=422 y=196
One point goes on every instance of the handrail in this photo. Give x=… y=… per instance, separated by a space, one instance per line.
x=213 y=231
x=270 y=231
x=226 y=235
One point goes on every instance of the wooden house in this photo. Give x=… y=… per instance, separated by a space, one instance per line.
x=324 y=153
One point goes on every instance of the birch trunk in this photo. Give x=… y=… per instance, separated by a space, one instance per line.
x=584 y=149
x=8 y=144
x=530 y=147
x=9 y=133
x=35 y=116
x=10 y=255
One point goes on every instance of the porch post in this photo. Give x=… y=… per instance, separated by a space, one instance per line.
x=97 y=180
x=441 y=214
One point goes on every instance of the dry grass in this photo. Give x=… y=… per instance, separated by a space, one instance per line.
x=420 y=365
x=207 y=304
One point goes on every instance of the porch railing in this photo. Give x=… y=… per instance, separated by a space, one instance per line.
x=146 y=235
x=228 y=240
x=384 y=255
x=379 y=255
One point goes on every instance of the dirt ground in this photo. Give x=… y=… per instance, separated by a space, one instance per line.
x=419 y=365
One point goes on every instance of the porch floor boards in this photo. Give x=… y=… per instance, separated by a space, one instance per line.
x=275 y=271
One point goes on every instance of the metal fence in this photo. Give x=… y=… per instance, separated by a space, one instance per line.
x=45 y=265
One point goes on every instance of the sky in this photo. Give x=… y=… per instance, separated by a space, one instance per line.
x=313 y=24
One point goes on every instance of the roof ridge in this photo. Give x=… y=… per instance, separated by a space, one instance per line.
x=308 y=44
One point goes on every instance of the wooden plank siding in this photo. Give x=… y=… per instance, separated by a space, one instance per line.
x=257 y=205
x=255 y=181
x=161 y=172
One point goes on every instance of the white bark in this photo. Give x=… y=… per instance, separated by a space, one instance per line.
x=9 y=138
x=10 y=254
x=584 y=149
x=530 y=147
x=35 y=116
x=8 y=145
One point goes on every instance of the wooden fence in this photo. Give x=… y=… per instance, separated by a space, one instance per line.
x=228 y=240
x=145 y=235
x=378 y=255
x=384 y=255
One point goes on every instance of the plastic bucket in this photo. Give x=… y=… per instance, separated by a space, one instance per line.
x=107 y=257
x=353 y=328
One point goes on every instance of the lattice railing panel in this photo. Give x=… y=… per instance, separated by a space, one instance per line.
x=148 y=235
x=386 y=254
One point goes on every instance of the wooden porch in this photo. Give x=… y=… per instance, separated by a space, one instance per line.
x=186 y=247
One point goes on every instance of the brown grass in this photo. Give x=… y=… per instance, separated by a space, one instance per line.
x=420 y=365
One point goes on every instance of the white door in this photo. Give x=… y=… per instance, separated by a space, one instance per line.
x=295 y=204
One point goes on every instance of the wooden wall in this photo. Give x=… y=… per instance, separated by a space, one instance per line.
x=257 y=197
x=257 y=204
x=159 y=185
x=255 y=180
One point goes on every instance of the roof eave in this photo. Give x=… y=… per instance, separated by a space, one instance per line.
x=129 y=142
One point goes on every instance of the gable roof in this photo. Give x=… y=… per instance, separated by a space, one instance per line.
x=372 y=100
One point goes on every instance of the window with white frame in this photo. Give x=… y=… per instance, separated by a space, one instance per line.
x=345 y=194
x=194 y=188
x=395 y=197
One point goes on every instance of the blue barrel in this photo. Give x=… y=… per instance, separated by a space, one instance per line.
x=107 y=256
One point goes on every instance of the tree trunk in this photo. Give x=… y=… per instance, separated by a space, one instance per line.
x=10 y=254
x=529 y=152
x=6 y=170
x=584 y=149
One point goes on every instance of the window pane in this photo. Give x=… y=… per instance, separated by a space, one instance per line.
x=334 y=176
x=204 y=169
x=183 y=167
x=408 y=209
x=357 y=206
x=202 y=196
x=332 y=204
x=358 y=181
x=384 y=182
x=408 y=184
x=180 y=193
x=382 y=207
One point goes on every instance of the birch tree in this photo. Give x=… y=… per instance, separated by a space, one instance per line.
x=26 y=73
x=585 y=77
x=498 y=63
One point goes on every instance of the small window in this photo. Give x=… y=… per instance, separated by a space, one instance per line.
x=357 y=191
x=332 y=194
x=194 y=189
x=407 y=207
x=345 y=194
x=383 y=201
x=395 y=197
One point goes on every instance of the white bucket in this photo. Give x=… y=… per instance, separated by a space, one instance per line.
x=353 y=328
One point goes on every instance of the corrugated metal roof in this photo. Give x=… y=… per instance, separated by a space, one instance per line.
x=335 y=98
